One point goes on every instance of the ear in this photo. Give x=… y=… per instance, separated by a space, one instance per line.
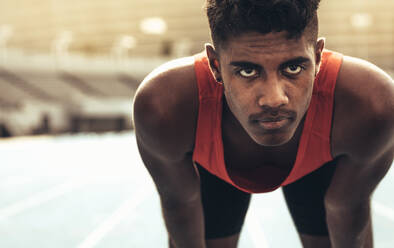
x=214 y=63
x=318 y=52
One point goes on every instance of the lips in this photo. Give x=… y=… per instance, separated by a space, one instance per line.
x=274 y=123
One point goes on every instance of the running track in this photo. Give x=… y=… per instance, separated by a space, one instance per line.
x=88 y=190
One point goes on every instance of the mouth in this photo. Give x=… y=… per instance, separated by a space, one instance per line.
x=273 y=124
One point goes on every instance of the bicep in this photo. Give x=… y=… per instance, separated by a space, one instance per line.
x=164 y=115
x=176 y=180
x=167 y=155
x=362 y=140
x=354 y=181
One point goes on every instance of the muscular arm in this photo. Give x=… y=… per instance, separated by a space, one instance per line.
x=165 y=110
x=178 y=186
x=348 y=201
x=363 y=140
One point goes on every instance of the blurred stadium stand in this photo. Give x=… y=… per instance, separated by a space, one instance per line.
x=39 y=95
x=70 y=66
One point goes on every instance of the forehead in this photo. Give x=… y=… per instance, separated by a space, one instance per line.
x=252 y=46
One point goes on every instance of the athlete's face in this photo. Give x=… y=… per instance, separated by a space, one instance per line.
x=268 y=82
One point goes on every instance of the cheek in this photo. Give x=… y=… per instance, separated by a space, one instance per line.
x=306 y=94
x=232 y=96
x=237 y=99
x=300 y=94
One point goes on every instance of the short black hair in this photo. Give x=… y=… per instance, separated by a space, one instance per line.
x=229 y=18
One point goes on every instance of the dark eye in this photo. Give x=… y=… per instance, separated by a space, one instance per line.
x=248 y=72
x=293 y=69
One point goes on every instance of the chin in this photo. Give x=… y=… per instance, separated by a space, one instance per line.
x=273 y=139
x=272 y=142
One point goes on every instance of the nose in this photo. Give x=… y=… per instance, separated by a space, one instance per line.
x=272 y=94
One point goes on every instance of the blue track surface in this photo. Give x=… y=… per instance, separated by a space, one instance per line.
x=88 y=191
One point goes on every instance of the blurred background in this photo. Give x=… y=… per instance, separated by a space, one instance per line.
x=73 y=66
x=70 y=172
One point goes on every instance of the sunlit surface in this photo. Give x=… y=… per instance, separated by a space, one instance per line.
x=92 y=191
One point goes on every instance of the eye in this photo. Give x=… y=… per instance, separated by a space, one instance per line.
x=293 y=69
x=248 y=72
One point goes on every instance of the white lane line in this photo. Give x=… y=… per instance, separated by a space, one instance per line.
x=255 y=229
x=122 y=212
x=39 y=198
x=383 y=210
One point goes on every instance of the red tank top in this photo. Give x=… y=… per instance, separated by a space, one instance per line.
x=314 y=145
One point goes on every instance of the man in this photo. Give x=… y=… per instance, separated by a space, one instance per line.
x=266 y=106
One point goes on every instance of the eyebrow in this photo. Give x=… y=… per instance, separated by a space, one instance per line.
x=297 y=60
x=244 y=64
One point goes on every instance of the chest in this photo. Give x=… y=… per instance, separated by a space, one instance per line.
x=241 y=152
x=237 y=156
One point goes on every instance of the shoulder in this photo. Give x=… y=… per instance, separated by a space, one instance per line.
x=165 y=108
x=363 y=123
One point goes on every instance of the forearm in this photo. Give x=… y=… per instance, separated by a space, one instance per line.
x=185 y=224
x=350 y=227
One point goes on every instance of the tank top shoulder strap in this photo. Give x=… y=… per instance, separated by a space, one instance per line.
x=328 y=73
x=210 y=94
x=325 y=87
x=207 y=85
